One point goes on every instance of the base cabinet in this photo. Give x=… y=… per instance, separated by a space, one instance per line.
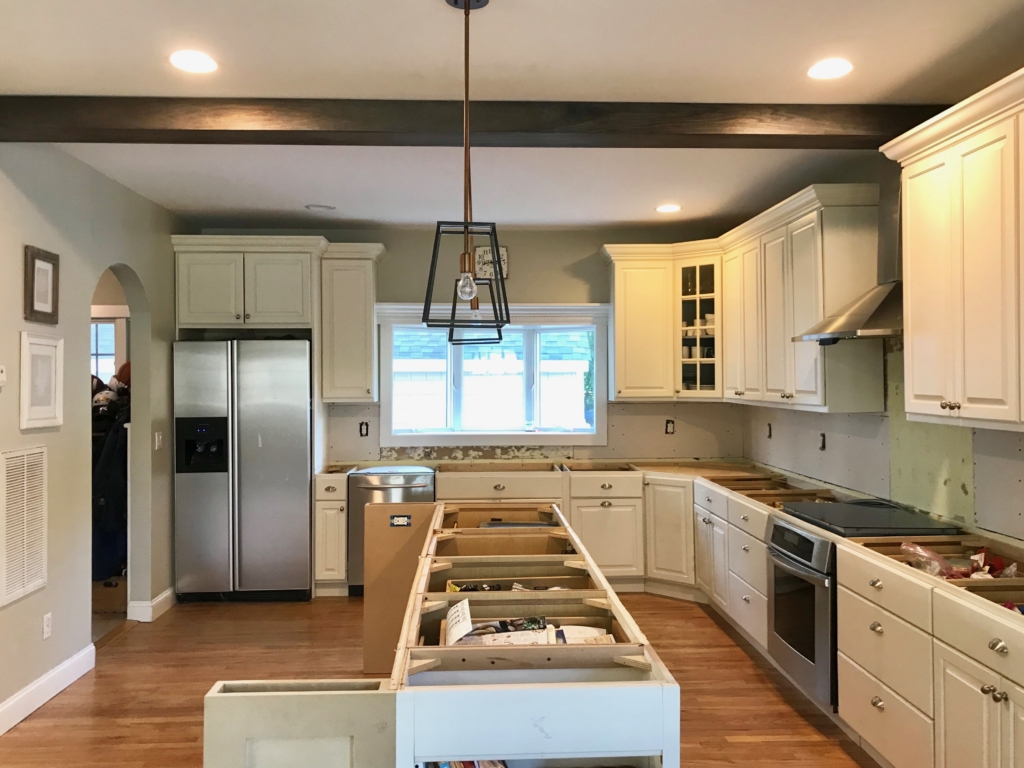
x=613 y=533
x=668 y=505
x=712 y=553
x=702 y=549
x=330 y=536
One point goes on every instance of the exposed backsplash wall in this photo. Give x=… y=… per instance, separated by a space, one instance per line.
x=635 y=431
x=927 y=466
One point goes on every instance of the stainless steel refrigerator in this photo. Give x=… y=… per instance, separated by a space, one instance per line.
x=242 y=482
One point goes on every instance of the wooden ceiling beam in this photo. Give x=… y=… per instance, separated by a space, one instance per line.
x=157 y=120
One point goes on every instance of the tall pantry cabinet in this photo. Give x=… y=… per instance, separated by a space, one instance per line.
x=962 y=212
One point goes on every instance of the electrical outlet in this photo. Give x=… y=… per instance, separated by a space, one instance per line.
x=670 y=426
x=769 y=431
x=158 y=440
x=364 y=429
x=47 y=626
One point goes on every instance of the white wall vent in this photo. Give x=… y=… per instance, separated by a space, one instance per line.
x=22 y=523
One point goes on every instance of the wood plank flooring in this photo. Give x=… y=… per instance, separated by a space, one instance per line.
x=142 y=707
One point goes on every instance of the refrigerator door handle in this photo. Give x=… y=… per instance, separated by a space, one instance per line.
x=236 y=550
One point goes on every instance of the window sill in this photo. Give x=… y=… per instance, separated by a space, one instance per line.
x=480 y=440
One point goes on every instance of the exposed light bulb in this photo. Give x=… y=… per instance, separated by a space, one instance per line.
x=467 y=287
x=830 y=69
x=193 y=61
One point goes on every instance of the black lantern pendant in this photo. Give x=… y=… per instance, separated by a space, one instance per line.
x=462 y=319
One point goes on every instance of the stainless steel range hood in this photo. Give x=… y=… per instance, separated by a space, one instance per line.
x=879 y=312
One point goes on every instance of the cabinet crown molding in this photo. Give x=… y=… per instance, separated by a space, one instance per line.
x=994 y=103
x=355 y=251
x=810 y=199
x=314 y=245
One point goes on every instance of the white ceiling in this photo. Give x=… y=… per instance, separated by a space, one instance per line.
x=418 y=185
x=659 y=50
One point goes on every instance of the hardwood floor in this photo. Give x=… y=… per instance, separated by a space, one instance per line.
x=142 y=707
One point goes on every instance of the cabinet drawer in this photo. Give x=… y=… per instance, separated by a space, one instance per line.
x=495 y=485
x=749 y=608
x=594 y=485
x=891 y=587
x=892 y=650
x=748 y=517
x=900 y=733
x=972 y=630
x=331 y=487
x=711 y=497
x=748 y=559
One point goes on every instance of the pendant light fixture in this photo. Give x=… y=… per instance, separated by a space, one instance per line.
x=465 y=315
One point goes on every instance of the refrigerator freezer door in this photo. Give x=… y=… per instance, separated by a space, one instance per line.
x=273 y=509
x=202 y=500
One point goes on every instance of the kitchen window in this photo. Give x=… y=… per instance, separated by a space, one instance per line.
x=102 y=349
x=544 y=384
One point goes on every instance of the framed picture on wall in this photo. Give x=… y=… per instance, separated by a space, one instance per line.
x=42 y=381
x=42 y=285
x=485 y=262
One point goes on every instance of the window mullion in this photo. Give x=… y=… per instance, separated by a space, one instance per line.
x=530 y=392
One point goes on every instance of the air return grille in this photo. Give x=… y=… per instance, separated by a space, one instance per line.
x=23 y=523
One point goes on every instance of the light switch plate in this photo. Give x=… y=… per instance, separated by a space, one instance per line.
x=158 y=440
x=47 y=626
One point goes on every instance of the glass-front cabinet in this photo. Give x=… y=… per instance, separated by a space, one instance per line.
x=698 y=345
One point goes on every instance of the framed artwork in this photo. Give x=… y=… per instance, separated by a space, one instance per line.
x=42 y=285
x=485 y=263
x=42 y=381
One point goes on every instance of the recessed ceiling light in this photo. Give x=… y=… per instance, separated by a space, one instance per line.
x=830 y=69
x=193 y=61
x=668 y=208
x=320 y=207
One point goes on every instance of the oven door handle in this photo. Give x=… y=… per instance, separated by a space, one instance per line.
x=800 y=571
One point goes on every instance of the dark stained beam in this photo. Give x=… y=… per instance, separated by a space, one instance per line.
x=148 y=120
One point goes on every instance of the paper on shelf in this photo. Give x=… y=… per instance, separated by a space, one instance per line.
x=459 y=622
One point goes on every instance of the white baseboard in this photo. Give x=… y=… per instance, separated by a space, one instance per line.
x=677 y=591
x=151 y=610
x=35 y=694
x=327 y=589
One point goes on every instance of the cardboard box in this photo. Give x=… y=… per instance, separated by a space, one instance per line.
x=110 y=596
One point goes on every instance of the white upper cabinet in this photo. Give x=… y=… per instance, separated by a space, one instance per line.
x=805 y=309
x=962 y=213
x=264 y=282
x=698 y=342
x=278 y=289
x=211 y=288
x=732 y=324
x=643 y=297
x=777 y=345
x=348 y=325
x=753 y=301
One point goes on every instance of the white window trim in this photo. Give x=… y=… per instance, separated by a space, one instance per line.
x=597 y=315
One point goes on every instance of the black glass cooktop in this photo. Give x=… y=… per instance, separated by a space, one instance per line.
x=868 y=518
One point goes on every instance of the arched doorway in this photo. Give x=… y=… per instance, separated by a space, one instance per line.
x=119 y=361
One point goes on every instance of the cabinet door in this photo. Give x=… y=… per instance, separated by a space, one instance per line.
x=930 y=314
x=211 y=289
x=278 y=289
x=668 y=505
x=1011 y=741
x=702 y=548
x=966 y=719
x=348 y=330
x=733 y=323
x=777 y=342
x=752 y=313
x=612 y=532
x=985 y=228
x=805 y=309
x=719 y=561
x=330 y=541
x=644 y=333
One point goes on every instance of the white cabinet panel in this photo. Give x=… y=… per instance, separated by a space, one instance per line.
x=804 y=297
x=777 y=344
x=719 y=561
x=753 y=300
x=211 y=289
x=749 y=608
x=748 y=559
x=348 y=331
x=644 y=333
x=668 y=505
x=985 y=228
x=330 y=531
x=966 y=717
x=1011 y=741
x=278 y=289
x=733 y=323
x=702 y=548
x=930 y=313
x=612 y=532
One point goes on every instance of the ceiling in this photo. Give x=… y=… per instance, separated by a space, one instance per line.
x=910 y=51
x=420 y=185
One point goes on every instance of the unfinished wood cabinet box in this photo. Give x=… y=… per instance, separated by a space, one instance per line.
x=544 y=705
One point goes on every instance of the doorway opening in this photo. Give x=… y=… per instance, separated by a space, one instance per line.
x=110 y=368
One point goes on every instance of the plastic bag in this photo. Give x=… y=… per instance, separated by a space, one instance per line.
x=932 y=563
x=1009 y=572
